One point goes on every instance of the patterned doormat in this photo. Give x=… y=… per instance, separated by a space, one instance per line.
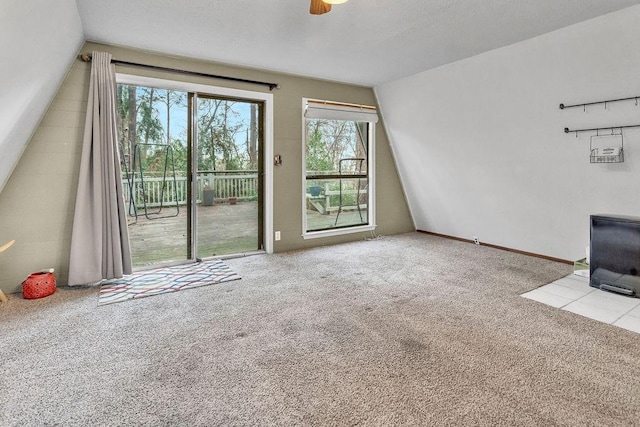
x=170 y=279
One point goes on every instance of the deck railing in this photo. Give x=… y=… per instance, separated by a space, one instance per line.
x=242 y=185
x=158 y=191
x=326 y=197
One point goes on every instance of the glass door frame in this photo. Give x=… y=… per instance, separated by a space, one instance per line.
x=267 y=125
x=193 y=99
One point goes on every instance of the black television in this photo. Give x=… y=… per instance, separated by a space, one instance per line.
x=615 y=254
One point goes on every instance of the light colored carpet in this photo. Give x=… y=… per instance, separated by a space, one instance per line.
x=406 y=330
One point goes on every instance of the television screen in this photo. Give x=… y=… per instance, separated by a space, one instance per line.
x=615 y=254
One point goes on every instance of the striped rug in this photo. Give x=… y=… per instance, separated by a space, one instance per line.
x=169 y=279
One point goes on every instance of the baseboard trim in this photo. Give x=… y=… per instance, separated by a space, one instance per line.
x=489 y=245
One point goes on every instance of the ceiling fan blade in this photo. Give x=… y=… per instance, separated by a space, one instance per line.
x=318 y=7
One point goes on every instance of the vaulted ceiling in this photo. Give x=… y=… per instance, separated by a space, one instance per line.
x=365 y=42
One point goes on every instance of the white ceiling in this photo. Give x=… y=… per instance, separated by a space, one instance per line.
x=366 y=42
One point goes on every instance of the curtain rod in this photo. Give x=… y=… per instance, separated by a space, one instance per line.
x=86 y=58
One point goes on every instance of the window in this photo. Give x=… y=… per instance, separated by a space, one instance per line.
x=338 y=168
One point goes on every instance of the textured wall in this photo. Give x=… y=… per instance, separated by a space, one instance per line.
x=480 y=142
x=38 y=201
x=38 y=39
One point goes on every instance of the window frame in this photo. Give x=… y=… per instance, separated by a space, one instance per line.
x=371 y=174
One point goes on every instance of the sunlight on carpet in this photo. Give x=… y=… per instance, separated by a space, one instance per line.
x=170 y=279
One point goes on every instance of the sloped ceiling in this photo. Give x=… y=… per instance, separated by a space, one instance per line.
x=38 y=41
x=366 y=42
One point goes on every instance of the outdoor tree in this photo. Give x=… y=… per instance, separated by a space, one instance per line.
x=252 y=137
x=149 y=127
x=218 y=127
x=227 y=130
x=329 y=141
x=126 y=119
x=170 y=99
x=138 y=119
x=318 y=157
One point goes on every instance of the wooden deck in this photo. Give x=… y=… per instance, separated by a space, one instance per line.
x=222 y=229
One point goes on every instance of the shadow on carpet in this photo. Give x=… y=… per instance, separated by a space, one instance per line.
x=163 y=280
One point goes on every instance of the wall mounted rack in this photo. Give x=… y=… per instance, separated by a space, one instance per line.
x=605 y=102
x=611 y=128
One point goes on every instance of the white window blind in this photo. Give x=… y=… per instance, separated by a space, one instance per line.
x=336 y=111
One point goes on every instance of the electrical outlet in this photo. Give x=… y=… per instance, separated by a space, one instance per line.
x=476 y=240
x=277 y=235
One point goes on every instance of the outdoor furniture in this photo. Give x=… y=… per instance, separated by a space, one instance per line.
x=169 y=184
x=358 y=161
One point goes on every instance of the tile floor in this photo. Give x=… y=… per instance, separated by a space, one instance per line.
x=573 y=293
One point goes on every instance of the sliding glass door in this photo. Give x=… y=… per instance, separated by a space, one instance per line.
x=191 y=172
x=229 y=143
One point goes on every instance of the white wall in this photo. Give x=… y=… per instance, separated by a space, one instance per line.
x=480 y=144
x=38 y=42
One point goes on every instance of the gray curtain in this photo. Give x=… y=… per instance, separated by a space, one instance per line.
x=99 y=241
